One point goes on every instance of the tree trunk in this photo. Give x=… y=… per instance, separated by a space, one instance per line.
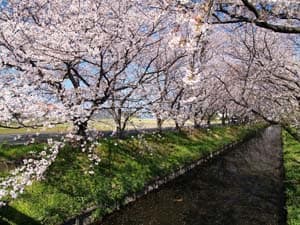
x=159 y=123
x=119 y=131
x=177 y=125
x=81 y=130
x=223 y=119
x=196 y=123
x=209 y=121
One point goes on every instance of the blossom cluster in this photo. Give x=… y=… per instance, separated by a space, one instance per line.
x=32 y=169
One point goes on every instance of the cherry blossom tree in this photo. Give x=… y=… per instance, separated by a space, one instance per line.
x=141 y=95
x=81 y=53
x=260 y=73
x=280 y=16
x=23 y=105
x=67 y=61
x=79 y=49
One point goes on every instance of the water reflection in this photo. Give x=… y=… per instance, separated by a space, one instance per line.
x=244 y=187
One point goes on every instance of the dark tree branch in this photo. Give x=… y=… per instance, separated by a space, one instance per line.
x=258 y=21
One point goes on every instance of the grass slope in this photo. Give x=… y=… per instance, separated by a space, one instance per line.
x=292 y=176
x=126 y=166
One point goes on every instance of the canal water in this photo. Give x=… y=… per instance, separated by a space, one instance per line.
x=243 y=187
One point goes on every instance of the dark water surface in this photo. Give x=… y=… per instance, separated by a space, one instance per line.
x=244 y=187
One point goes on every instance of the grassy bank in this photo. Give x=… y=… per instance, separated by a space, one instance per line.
x=292 y=175
x=126 y=166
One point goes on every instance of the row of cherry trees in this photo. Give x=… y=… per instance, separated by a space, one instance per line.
x=68 y=61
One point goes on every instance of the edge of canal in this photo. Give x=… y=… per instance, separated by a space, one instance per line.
x=282 y=208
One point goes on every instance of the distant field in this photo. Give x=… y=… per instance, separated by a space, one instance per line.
x=102 y=125
x=108 y=124
x=57 y=129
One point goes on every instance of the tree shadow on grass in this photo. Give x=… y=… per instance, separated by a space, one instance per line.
x=2 y=222
x=10 y=214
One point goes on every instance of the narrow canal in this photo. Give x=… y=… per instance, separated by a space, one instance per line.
x=244 y=187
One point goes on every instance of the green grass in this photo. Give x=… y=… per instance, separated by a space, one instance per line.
x=292 y=176
x=126 y=166
x=17 y=152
